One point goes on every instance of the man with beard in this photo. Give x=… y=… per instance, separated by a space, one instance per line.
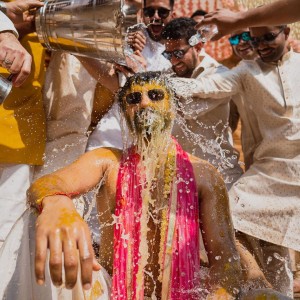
x=265 y=200
x=149 y=207
x=145 y=40
x=201 y=129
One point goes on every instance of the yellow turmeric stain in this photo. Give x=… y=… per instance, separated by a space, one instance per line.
x=67 y=218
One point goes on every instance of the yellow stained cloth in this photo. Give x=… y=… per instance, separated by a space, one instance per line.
x=22 y=118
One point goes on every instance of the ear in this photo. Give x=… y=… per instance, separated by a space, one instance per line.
x=287 y=32
x=173 y=14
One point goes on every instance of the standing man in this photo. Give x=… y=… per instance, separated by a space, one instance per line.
x=22 y=122
x=265 y=200
x=201 y=129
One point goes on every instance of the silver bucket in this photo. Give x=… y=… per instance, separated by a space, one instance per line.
x=5 y=87
x=92 y=28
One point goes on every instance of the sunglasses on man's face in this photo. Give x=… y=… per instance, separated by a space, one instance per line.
x=179 y=54
x=154 y=95
x=266 y=38
x=235 y=39
x=162 y=12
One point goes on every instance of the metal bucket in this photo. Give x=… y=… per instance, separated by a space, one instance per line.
x=92 y=28
x=5 y=87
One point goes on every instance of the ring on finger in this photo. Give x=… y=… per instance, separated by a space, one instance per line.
x=7 y=61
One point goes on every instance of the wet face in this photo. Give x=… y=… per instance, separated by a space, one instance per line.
x=183 y=57
x=148 y=107
x=241 y=46
x=270 y=42
x=156 y=14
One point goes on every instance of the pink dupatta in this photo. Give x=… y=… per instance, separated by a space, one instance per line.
x=181 y=260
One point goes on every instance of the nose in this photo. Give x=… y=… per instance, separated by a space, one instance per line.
x=145 y=102
x=156 y=16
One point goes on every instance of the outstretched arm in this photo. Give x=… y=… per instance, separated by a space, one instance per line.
x=217 y=231
x=59 y=227
x=276 y=13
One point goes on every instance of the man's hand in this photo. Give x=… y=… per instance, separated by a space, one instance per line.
x=136 y=40
x=226 y=21
x=20 y=10
x=61 y=229
x=14 y=58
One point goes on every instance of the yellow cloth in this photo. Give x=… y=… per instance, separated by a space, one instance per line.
x=22 y=118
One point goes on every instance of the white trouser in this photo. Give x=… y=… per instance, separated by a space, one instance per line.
x=15 y=179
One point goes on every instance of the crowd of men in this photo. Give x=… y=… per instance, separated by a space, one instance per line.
x=176 y=215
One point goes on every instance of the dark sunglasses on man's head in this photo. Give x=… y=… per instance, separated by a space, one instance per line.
x=154 y=95
x=176 y=53
x=266 y=38
x=235 y=39
x=162 y=12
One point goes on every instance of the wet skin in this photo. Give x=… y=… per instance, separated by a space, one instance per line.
x=59 y=227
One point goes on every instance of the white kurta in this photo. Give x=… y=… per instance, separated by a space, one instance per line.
x=7 y=24
x=202 y=126
x=265 y=202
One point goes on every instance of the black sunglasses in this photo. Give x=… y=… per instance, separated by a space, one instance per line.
x=266 y=38
x=136 y=97
x=235 y=39
x=176 y=53
x=162 y=12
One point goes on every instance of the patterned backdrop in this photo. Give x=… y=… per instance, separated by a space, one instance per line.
x=221 y=48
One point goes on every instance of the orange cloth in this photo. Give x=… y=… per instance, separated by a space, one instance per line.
x=22 y=119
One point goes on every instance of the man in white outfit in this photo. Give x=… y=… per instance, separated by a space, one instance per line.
x=265 y=200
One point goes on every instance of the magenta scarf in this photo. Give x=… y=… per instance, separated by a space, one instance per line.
x=182 y=279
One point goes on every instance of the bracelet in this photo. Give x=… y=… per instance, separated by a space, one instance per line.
x=39 y=202
x=3 y=7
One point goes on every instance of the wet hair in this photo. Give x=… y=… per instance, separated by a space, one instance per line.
x=141 y=79
x=170 y=1
x=198 y=12
x=180 y=28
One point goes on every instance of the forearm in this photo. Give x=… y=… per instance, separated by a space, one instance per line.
x=268 y=14
x=102 y=71
x=214 y=87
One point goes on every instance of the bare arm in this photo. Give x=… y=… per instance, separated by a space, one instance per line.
x=59 y=227
x=217 y=230
x=276 y=13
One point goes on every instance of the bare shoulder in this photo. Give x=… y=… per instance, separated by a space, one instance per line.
x=104 y=155
x=207 y=176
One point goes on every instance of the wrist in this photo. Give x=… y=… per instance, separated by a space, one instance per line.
x=52 y=199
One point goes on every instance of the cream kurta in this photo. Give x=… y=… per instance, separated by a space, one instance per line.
x=265 y=202
x=202 y=126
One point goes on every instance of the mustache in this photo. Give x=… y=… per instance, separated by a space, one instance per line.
x=156 y=22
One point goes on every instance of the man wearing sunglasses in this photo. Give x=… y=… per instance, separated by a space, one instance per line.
x=202 y=129
x=146 y=42
x=265 y=200
x=148 y=209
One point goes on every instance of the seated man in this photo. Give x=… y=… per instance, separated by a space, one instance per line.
x=149 y=209
x=153 y=201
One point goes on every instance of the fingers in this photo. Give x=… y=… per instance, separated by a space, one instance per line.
x=23 y=72
x=15 y=58
x=86 y=255
x=40 y=256
x=136 y=40
x=70 y=262
x=55 y=262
